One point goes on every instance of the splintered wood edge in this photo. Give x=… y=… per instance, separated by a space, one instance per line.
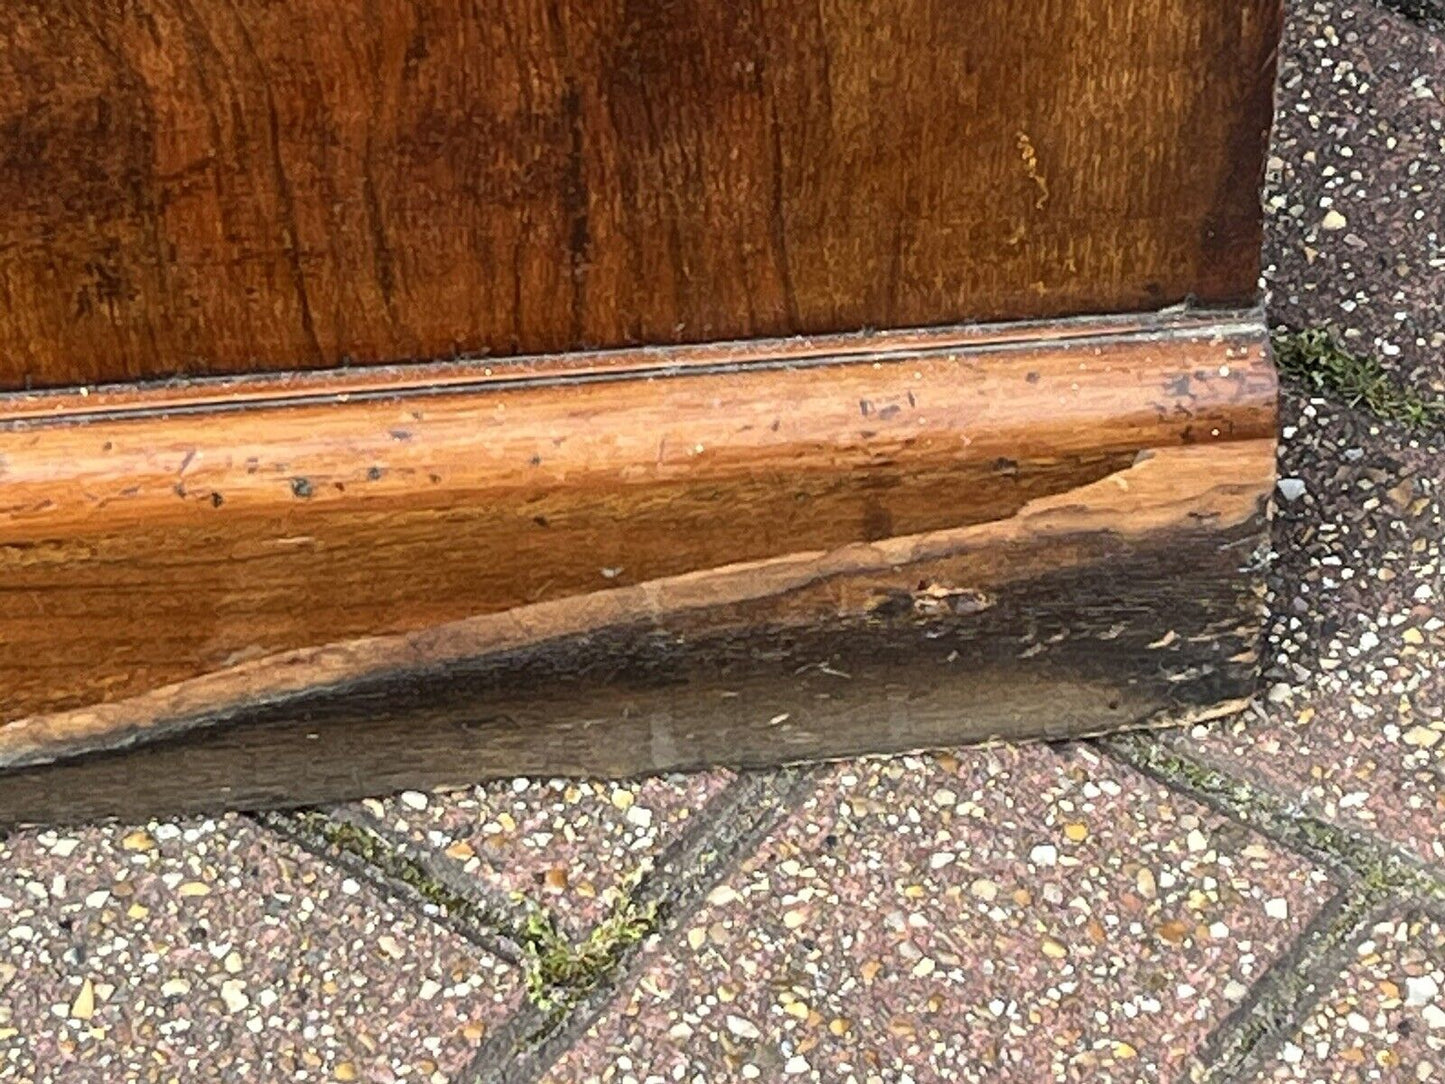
x=1171 y=487
x=1166 y=489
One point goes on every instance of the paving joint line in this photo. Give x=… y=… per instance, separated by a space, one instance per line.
x=509 y=913
x=738 y=820
x=367 y=855
x=1379 y=878
x=533 y=1038
x=1327 y=969
x=1280 y=1000
x=729 y=826
x=530 y=1026
x=1374 y=861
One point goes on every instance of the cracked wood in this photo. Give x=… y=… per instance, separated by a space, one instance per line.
x=742 y=563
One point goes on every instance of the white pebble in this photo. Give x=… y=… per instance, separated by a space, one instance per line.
x=1044 y=854
x=1291 y=489
x=742 y=1028
x=232 y=995
x=1421 y=990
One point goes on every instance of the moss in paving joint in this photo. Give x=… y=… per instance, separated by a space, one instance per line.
x=1314 y=358
x=557 y=971
x=376 y=852
x=1377 y=867
x=560 y=971
x=1255 y=1028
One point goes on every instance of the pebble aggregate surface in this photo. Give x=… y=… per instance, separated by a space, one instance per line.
x=211 y=950
x=1029 y=914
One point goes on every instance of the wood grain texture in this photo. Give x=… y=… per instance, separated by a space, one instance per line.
x=140 y=550
x=303 y=601
x=208 y=188
x=220 y=393
x=1131 y=600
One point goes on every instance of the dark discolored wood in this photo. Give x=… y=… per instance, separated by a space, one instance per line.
x=138 y=550
x=1130 y=601
x=291 y=601
x=205 y=188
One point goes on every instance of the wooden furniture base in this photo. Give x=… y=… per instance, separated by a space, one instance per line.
x=398 y=392
x=264 y=592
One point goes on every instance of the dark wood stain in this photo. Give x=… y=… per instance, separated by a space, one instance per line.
x=1082 y=626
x=766 y=594
x=195 y=188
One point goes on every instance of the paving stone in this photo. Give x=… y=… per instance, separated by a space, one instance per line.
x=1353 y=723
x=1383 y=1019
x=211 y=950
x=1428 y=13
x=565 y=844
x=1355 y=234
x=1013 y=913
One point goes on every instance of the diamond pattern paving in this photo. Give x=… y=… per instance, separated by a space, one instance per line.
x=562 y=843
x=1025 y=914
x=1006 y=914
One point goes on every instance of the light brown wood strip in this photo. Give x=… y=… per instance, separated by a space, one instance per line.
x=56 y=406
x=138 y=552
